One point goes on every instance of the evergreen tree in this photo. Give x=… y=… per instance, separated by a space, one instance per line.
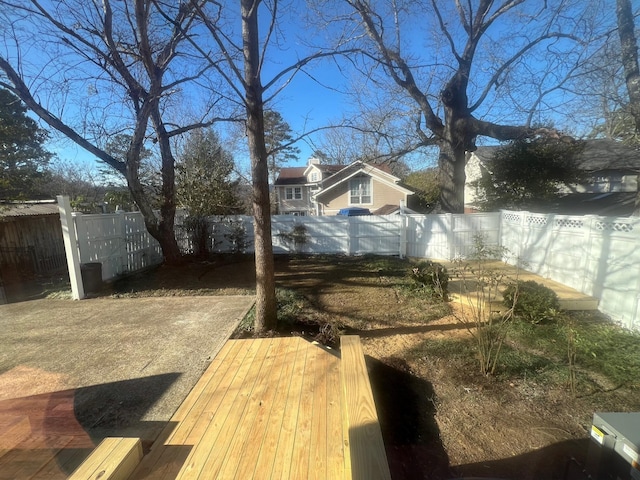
x=528 y=173
x=204 y=184
x=23 y=158
x=278 y=138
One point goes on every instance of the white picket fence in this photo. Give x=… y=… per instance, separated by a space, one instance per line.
x=598 y=256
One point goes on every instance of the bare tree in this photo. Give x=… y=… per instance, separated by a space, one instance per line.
x=475 y=68
x=107 y=68
x=247 y=58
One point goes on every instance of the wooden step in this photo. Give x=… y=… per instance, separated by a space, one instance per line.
x=114 y=459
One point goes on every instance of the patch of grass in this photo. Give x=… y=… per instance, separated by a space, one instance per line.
x=601 y=348
x=446 y=348
x=245 y=327
x=611 y=351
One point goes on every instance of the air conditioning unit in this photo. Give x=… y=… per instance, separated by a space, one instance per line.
x=614 y=449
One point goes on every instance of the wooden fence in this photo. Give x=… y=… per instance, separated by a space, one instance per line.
x=31 y=245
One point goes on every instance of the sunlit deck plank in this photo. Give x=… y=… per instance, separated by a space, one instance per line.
x=318 y=444
x=193 y=424
x=334 y=439
x=209 y=380
x=252 y=421
x=192 y=417
x=206 y=453
x=282 y=423
x=302 y=438
x=268 y=421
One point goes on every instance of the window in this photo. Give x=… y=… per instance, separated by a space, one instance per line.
x=293 y=193
x=314 y=177
x=360 y=190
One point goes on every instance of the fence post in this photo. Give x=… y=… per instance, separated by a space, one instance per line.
x=71 y=247
x=122 y=250
x=450 y=237
x=404 y=225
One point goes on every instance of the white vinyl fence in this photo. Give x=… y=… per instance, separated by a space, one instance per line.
x=598 y=256
x=119 y=242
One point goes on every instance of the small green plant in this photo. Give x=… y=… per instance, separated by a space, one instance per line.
x=531 y=301
x=431 y=278
x=290 y=305
x=237 y=235
x=297 y=237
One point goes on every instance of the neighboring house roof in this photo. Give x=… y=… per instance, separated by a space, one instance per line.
x=356 y=168
x=291 y=176
x=391 y=209
x=605 y=154
x=598 y=154
x=28 y=209
x=326 y=170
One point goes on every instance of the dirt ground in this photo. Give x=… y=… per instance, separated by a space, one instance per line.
x=440 y=418
x=443 y=419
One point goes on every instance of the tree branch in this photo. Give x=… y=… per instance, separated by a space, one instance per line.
x=20 y=89
x=493 y=81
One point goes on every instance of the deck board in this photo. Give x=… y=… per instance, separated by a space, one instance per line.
x=280 y=446
x=265 y=408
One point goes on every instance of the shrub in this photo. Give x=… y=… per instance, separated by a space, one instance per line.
x=297 y=237
x=480 y=285
x=431 y=277
x=237 y=235
x=531 y=301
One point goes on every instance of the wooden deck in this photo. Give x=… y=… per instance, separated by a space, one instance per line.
x=267 y=409
x=569 y=298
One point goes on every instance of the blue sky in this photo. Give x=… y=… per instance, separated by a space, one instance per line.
x=306 y=105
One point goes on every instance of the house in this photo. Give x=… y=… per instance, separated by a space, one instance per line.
x=611 y=170
x=319 y=189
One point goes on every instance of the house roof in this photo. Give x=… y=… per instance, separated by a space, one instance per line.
x=28 y=209
x=605 y=154
x=291 y=176
x=598 y=154
x=357 y=167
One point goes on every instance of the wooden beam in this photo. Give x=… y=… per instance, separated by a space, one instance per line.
x=114 y=459
x=367 y=453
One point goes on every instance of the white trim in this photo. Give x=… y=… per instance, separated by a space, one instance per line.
x=362 y=170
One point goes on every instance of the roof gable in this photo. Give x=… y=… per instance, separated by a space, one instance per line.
x=357 y=168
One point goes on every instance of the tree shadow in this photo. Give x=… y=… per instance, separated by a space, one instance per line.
x=52 y=433
x=563 y=460
x=406 y=410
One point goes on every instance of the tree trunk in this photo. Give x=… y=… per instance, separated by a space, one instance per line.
x=629 y=54
x=451 y=162
x=266 y=307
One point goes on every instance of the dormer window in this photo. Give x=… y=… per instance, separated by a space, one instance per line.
x=314 y=177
